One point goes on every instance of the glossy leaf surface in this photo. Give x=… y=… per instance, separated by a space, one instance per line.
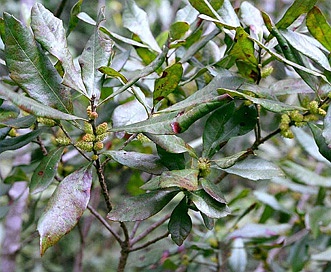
x=145 y=162
x=44 y=174
x=180 y=223
x=142 y=206
x=96 y=54
x=50 y=33
x=31 y=69
x=225 y=123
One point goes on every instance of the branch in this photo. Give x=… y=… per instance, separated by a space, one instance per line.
x=105 y=223
x=150 y=229
x=151 y=242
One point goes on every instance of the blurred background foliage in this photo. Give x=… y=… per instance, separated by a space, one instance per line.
x=278 y=202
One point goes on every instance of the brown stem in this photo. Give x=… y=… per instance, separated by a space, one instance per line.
x=151 y=242
x=103 y=184
x=149 y=229
x=126 y=248
x=105 y=223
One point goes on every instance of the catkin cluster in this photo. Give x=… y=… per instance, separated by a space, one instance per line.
x=298 y=119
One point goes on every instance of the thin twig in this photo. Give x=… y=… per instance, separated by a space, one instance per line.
x=150 y=242
x=60 y=8
x=135 y=228
x=105 y=223
x=150 y=229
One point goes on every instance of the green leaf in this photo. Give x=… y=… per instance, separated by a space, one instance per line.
x=318 y=27
x=96 y=54
x=112 y=73
x=173 y=122
x=144 y=162
x=121 y=38
x=17 y=174
x=303 y=175
x=305 y=73
x=268 y=104
x=327 y=127
x=31 y=106
x=73 y=21
x=209 y=222
x=319 y=217
x=271 y=201
x=65 y=207
x=323 y=148
x=204 y=8
x=168 y=81
x=243 y=51
x=252 y=18
x=45 y=172
x=289 y=86
x=307 y=47
x=184 y=179
x=19 y=141
x=298 y=8
x=260 y=231
x=178 y=29
x=223 y=79
x=213 y=190
x=173 y=161
x=225 y=123
x=255 y=169
x=21 y=122
x=324 y=256
x=135 y=19
x=142 y=206
x=172 y=144
x=180 y=223
x=229 y=161
x=31 y=69
x=208 y=205
x=50 y=33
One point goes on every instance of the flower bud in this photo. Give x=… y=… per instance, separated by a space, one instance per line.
x=63 y=141
x=88 y=137
x=86 y=146
x=88 y=127
x=98 y=146
x=102 y=128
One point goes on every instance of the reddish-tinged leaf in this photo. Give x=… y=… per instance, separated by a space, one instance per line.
x=65 y=207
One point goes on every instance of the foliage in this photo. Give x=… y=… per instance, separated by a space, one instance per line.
x=207 y=139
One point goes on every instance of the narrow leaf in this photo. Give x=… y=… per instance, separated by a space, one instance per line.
x=327 y=127
x=303 y=175
x=213 y=190
x=260 y=231
x=184 y=179
x=304 y=44
x=255 y=169
x=96 y=54
x=178 y=29
x=172 y=144
x=323 y=148
x=173 y=122
x=31 y=106
x=31 y=69
x=112 y=73
x=143 y=206
x=173 y=161
x=19 y=141
x=21 y=122
x=76 y=9
x=145 y=162
x=180 y=223
x=135 y=19
x=270 y=105
x=208 y=205
x=168 y=81
x=44 y=173
x=50 y=33
x=318 y=27
x=65 y=207
x=229 y=161
x=298 y=8
x=225 y=123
